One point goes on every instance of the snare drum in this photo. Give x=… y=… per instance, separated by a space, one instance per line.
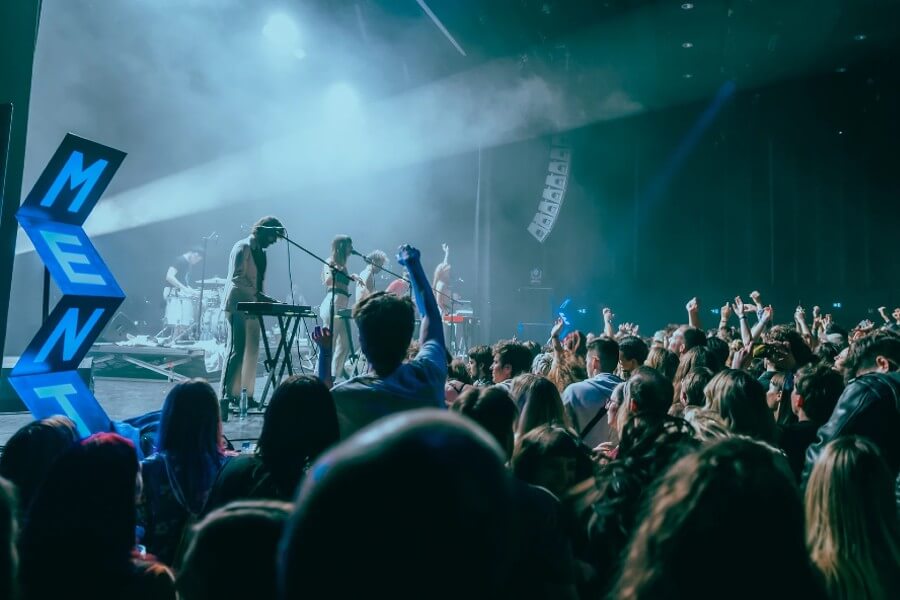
x=180 y=310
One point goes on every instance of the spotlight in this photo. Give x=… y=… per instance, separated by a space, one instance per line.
x=688 y=75
x=860 y=37
x=687 y=6
x=841 y=70
x=283 y=34
x=687 y=45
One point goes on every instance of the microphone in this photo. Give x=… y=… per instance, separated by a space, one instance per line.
x=359 y=254
x=212 y=237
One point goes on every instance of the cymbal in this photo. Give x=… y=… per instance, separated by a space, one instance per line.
x=214 y=281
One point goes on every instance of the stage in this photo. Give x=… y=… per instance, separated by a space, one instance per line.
x=129 y=398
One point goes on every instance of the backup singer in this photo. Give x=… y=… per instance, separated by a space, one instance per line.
x=341 y=247
x=246 y=274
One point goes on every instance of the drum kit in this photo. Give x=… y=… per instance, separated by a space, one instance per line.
x=184 y=309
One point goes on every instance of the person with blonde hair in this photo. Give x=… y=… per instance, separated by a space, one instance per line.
x=852 y=527
x=741 y=402
x=538 y=401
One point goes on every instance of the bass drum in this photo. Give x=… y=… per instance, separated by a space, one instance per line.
x=213 y=326
x=179 y=311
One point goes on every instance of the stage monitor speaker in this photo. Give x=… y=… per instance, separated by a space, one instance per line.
x=9 y=399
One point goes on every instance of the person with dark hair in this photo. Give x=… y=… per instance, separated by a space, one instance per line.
x=632 y=354
x=696 y=357
x=9 y=560
x=693 y=337
x=178 y=476
x=741 y=402
x=79 y=536
x=692 y=386
x=827 y=352
x=533 y=347
x=538 y=402
x=852 y=528
x=778 y=398
x=510 y=359
x=300 y=424
x=30 y=453
x=816 y=392
x=480 y=358
x=870 y=404
x=664 y=361
x=719 y=349
x=246 y=279
x=587 y=402
x=382 y=514
x=458 y=380
x=543 y=565
x=734 y=504
x=255 y=529
x=551 y=457
x=494 y=410
x=648 y=395
x=386 y=325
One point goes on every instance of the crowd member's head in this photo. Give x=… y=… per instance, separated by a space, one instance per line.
x=494 y=410
x=675 y=336
x=8 y=532
x=878 y=352
x=31 y=451
x=386 y=504
x=827 y=353
x=852 y=527
x=664 y=361
x=741 y=402
x=539 y=402
x=542 y=364
x=794 y=351
x=693 y=337
x=719 y=349
x=692 y=359
x=86 y=510
x=816 y=392
x=551 y=457
x=692 y=386
x=254 y=527
x=648 y=395
x=708 y=425
x=533 y=347
x=386 y=325
x=735 y=504
x=576 y=343
x=480 y=358
x=457 y=370
x=377 y=258
x=602 y=356
x=778 y=399
x=510 y=359
x=632 y=353
x=300 y=423
x=190 y=436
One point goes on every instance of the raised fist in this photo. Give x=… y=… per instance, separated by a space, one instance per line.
x=407 y=255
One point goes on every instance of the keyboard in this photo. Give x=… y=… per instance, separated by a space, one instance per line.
x=275 y=309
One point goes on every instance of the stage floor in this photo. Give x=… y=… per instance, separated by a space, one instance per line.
x=124 y=399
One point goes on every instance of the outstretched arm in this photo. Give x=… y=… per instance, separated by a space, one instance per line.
x=693 y=310
x=323 y=339
x=431 y=327
x=608 y=317
x=741 y=310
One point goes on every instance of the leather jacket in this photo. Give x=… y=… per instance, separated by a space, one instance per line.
x=869 y=407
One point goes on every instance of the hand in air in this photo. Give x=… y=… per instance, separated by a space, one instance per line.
x=557 y=327
x=740 y=308
x=693 y=306
x=725 y=312
x=322 y=337
x=407 y=255
x=608 y=315
x=754 y=295
x=768 y=312
x=445 y=248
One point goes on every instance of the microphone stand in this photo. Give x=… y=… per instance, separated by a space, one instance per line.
x=202 y=287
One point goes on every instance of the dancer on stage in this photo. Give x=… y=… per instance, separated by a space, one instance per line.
x=246 y=275
x=341 y=248
x=441 y=283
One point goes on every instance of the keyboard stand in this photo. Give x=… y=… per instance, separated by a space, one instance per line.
x=279 y=363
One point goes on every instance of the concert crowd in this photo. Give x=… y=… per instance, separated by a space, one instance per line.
x=755 y=459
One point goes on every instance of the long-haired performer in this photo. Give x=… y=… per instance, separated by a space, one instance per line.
x=341 y=248
x=246 y=274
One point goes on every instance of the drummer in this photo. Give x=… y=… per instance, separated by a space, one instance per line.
x=179 y=276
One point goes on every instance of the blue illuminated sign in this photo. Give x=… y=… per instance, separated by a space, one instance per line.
x=46 y=377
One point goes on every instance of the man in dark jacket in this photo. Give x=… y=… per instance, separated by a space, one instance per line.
x=870 y=404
